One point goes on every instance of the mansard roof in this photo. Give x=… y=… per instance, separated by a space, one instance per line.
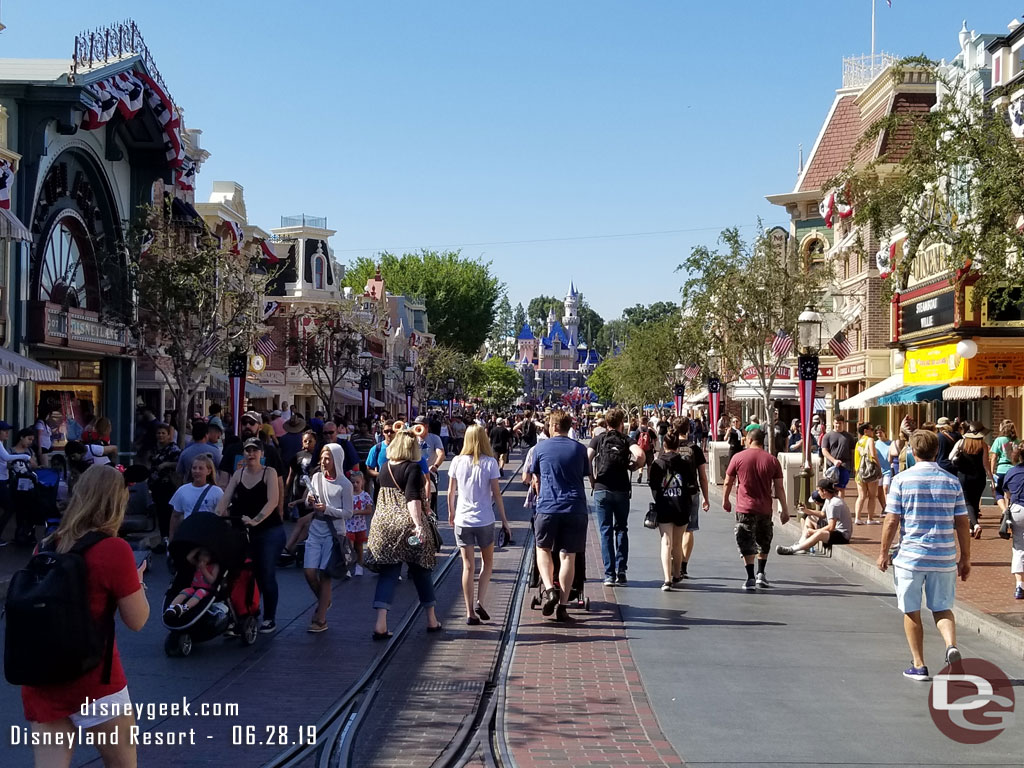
x=525 y=333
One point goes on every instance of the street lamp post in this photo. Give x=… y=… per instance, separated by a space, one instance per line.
x=366 y=368
x=538 y=387
x=809 y=337
x=451 y=398
x=714 y=392
x=409 y=376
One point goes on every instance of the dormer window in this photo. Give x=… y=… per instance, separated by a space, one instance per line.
x=319 y=269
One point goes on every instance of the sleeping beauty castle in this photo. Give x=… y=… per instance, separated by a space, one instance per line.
x=558 y=361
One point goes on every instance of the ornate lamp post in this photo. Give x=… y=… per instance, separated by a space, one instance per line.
x=451 y=397
x=678 y=387
x=538 y=386
x=409 y=376
x=365 y=380
x=809 y=337
x=714 y=392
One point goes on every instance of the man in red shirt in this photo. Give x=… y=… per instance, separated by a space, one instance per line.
x=755 y=472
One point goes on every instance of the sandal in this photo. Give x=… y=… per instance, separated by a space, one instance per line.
x=317 y=626
x=482 y=613
x=976 y=532
x=472 y=621
x=436 y=628
x=382 y=635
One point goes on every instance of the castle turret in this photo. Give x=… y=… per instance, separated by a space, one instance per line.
x=552 y=319
x=571 y=320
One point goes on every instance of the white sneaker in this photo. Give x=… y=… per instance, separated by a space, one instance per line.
x=358 y=570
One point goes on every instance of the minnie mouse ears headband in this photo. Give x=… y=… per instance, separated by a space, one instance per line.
x=419 y=430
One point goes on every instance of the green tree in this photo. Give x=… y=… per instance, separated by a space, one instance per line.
x=460 y=294
x=956 y=183
x=519 y=318
x=502 y=330
x=181 y=297
x=736 y=299
x=640 y=373
x=496 y=383
x=640 y=315
x=441 y=363
x=603 y=379
x=614 y=332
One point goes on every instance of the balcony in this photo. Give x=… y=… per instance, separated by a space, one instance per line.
x=858 y=71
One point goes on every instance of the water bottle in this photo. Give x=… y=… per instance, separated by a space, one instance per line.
x=413 y=540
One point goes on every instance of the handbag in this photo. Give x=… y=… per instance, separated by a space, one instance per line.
x=199 y=501
x=343 y=556
x=651 y=518
x=869 y=469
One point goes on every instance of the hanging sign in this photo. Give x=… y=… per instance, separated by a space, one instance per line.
x=934 y=365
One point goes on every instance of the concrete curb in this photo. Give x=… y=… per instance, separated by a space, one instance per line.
x=968 y=619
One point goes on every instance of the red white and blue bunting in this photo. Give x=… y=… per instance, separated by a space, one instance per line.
x=185 y=177
x=6 y=182
x=1016 y=110
x=885 y=260
x=832 y=205
x=125 y=92
x=236 y=232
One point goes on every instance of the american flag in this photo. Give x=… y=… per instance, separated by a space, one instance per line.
x=692 y=370
x=265 y=345
x=782 y=344
x=209 y=346
x=840 y=346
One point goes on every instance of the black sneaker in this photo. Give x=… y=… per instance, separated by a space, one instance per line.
x=562 y=614
x=551 y=598
x=268 y=627
x=621 y=580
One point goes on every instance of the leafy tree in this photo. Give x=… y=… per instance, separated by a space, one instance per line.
x=181 y=298
x=957 y=182
x=502 y=331
x=518 y=318
x=640 y=315
x=497 y=383
x=640 y=373
x=737 y=299
x=460 y=294
x=325 y=342
x=603 y=378
x=441 y=363
x=614 y=332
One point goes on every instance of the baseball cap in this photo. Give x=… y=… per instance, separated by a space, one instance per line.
x=253 y=416
x=816 y=497
x=253 y=442
x=275 y=413
x=816 y=417
x=5 y=425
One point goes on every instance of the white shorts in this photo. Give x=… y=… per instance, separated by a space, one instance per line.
x=120 y=702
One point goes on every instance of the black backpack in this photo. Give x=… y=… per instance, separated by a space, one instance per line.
x=680 y=475
x=51 y=636
x=530 y=433
x=612 y=454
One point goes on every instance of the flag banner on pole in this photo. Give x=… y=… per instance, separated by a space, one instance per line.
x=782 y=344
x=840 y=346
x=714 y=405
x=692 y=371
x=366 y=403
x=808 y=372
x=209 y=346
x=238 y=366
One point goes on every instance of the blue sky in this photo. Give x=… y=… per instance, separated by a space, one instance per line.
x=575 y=125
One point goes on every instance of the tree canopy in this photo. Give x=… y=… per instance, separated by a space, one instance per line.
x=496 y=383
x=460 y=294
x=957 y=183
x=639 y=315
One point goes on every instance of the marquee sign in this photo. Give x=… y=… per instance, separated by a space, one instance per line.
x=934 y=365
x=928 y=314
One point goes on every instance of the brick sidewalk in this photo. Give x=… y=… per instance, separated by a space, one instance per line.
x=574 y=694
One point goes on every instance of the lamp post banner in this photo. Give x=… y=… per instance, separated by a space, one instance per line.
x=364 y=390
x=714 y=404
x=408 y=402
x=238 y=365
x=679 y=392
x=808 y=368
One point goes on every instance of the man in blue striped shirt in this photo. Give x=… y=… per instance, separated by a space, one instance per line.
x=926 y=505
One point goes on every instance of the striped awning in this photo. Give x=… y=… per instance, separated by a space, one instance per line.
x=697 y=397
x=11 y=227
x=917 y=393
x=972 y=392
x=26 y=368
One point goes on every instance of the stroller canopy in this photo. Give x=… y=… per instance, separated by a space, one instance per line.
x=210 y=532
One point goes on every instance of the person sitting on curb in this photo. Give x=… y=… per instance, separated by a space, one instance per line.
x=835 y=515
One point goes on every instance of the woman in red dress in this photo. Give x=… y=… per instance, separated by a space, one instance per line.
x=55 y=712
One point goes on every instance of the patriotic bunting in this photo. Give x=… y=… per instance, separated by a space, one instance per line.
x=885 y=260
x=265 y=345
x=268 y=252
x=148 y=238
x=6 y=182
x=782 y=344
x=185 y=177
x=236 y=232
x=269 y=308
x=1016 y=110
x=840 y=346
x=832 y=204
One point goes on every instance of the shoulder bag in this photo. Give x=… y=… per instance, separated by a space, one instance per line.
x=199 y=501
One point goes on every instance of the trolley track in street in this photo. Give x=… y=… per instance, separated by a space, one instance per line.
x=339 y=726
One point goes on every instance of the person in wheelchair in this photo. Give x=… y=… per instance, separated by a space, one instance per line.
x=830 y=526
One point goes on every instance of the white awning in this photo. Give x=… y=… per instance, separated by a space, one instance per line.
x=11 y=227
x=251 y=388
x=699 y=397
x=780 y=391
x=870 y=395
x=969 y=392
x=25 y=368
x=354 y=396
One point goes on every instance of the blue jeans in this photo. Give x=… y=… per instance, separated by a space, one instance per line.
x=388 y=577
x=612 y=509
x=265 y=547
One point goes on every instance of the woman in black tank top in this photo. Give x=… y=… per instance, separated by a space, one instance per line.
x=251 y=498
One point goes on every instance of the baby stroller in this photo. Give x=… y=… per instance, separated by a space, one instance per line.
x=233 y=598
x=577 y=598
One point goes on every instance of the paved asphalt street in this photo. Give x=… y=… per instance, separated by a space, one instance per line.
x=807 y=673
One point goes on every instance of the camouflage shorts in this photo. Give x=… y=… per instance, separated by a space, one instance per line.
x=754 y=534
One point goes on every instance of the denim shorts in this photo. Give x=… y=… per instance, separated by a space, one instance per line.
x=939 y=589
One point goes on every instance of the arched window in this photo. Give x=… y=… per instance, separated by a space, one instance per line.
x=61 y=273
x=319 y=268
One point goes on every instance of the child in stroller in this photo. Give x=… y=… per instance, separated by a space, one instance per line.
x=203 y=579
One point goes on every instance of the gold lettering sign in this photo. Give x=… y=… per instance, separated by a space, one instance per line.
x=929 y=263
x=935 y=365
